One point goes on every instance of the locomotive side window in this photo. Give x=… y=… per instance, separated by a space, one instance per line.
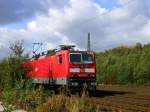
x=75 y=58
x=60 y=59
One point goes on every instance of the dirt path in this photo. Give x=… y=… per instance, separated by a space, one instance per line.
x=122 y=98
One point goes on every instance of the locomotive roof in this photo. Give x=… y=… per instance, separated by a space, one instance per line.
x=67 y=47
x=51 y=52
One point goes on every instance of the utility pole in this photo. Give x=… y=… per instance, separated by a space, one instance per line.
x=89 y=43
x=35 y=49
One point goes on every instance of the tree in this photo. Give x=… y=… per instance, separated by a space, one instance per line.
x=17 y=48
x=11 y=68
x=124 y=65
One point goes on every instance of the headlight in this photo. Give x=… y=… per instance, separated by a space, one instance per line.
x=74 y=69
x=90 y=70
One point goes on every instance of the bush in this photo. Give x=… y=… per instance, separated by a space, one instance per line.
x=62 y=103
x=15 y=86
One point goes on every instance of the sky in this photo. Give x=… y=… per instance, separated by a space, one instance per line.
x=111 y=23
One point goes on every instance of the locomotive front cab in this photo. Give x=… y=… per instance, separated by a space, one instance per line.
x=82 y=69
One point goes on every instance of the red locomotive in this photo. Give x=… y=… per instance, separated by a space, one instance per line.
x=65 y=68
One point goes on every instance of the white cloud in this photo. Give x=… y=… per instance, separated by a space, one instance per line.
x=70 y=24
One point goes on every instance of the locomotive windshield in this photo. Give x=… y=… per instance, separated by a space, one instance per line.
x=81 y=58
x=87 y=58
x=75 y=58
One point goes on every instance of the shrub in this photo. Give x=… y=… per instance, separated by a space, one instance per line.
x=61 y=103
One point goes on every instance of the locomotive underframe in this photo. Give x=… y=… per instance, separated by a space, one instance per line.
x=73 y=84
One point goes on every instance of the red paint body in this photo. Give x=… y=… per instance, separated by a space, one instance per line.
x=61 y=72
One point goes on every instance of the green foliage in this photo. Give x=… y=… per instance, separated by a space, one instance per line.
x=14 y=84
x=27 y=98
x=11 y=71
x=11 y=68
x=124 y=65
